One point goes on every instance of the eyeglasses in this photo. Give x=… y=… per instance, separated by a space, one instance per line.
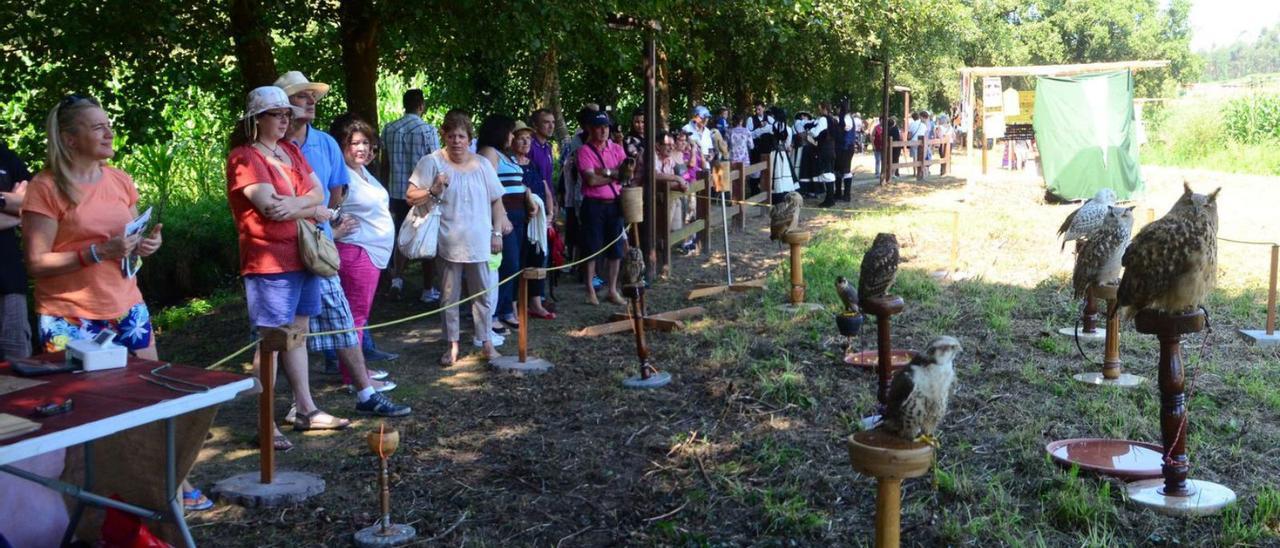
x=279 y=115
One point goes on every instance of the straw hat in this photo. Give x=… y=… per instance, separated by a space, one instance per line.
x=266 y=98
x=520 y=126
x=293 y=81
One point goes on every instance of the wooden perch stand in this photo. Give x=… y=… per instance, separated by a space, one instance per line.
x=796 y=242
x=1112 y=373
x=890 y=460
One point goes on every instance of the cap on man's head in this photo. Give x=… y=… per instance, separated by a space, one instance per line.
x=701 y=111
x=599 y=119
x=293 y=82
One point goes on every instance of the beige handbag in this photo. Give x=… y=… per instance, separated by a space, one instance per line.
x=317 y=251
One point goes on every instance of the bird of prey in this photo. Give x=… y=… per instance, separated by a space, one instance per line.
x=918 y=395
x=626 y=171
x=1086 y=218
x=848 y=295
x=633 y=268
x=879 y=266
x=1098 y=262
x=1172 y=263
x=785 y=217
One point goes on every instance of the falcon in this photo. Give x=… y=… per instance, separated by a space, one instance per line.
x=1087 y=218
x=785 y=217
x=918 y=395
x=848 y=295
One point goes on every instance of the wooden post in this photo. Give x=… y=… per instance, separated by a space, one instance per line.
x=766 y=179
x=273 y=341
x=522 y=307
x=739 y=185
x=1174 y=421
x=703 y=208
x=650 y=142
x=888 y=512
x=797 y=272
x=1089 y=319
x=266 y=414
x=955 y=241
x=889 y=460
x=1271 y=292
x=1111 y=368
x=662 y=218
x=986 y=144
x=883 y=308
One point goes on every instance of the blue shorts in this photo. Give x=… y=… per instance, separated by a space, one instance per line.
x=275 y=299
x=133 y=329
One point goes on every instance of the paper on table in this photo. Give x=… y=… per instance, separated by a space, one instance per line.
x=130 y=264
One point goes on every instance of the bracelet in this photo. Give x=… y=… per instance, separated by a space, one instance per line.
x=93 y=253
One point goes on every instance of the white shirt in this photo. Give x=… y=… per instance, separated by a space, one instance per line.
x=466 y=215
x=819 y=127
x=858 y=124
x=757 y=131
x=367 y=201
x=703 y=137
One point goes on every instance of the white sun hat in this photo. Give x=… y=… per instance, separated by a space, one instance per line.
x=265 y=98
x=293 y=81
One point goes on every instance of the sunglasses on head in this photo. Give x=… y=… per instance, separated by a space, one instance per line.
x=72 y=99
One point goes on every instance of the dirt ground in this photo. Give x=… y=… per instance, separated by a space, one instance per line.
x=746 y=446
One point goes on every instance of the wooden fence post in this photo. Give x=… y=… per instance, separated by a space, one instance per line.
x=704 y=213
x=738 y=191
x=662 y=218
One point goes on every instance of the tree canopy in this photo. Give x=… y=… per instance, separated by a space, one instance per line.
x=143 y=56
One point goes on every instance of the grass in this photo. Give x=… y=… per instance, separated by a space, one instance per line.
x=1191 y=133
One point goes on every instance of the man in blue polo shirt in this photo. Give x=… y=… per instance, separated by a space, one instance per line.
x=325 y=158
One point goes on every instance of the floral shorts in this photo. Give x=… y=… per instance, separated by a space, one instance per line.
x=133 y=330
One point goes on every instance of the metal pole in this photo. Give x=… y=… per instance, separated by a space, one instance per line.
x=724 y=228
x=522 y=305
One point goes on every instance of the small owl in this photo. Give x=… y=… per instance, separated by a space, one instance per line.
x=785 y=217
x=633 y=267
x=848 y=295
x=1086 y=218
x=918 y=394
x=879 y=266
x=1171 y=264
x=1098 y=262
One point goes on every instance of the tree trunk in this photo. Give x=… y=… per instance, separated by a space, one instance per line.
x=664 y=90
x=546 y=90
x=359 y=25
x=252 y=44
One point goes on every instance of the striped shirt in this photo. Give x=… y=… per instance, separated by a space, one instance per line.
x=407 y=140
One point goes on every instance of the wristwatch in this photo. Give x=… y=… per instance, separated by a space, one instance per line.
x=497 y=233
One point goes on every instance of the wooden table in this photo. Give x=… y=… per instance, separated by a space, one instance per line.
x=105 y=403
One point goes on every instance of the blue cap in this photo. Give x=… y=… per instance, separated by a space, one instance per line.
x=702 y=111
x=600 y=119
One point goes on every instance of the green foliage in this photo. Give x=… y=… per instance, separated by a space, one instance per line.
x=1238 y=59
x=1074 y=502
x=788 y=513
x=1253 y=119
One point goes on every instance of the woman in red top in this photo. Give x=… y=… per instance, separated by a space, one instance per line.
x=269 y=187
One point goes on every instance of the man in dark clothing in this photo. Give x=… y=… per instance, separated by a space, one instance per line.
x=15 y=327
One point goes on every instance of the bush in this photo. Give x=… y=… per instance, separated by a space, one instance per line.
x=1252 y=120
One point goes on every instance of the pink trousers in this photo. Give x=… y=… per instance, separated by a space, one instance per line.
x=359 y=279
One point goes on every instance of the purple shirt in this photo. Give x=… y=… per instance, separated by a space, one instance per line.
x=540 y=156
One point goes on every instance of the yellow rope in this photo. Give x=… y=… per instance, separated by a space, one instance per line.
x=1246 y=242
x=826 y=209
x=460 y=302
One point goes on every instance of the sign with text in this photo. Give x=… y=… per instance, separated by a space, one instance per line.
x=991 y=93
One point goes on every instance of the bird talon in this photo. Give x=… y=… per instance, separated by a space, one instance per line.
x=929 y=439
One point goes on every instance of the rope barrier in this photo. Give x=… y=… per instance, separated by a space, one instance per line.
x=828 y=209
x=421 y=315
x=1247 y=242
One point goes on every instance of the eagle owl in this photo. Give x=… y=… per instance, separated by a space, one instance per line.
x=919 y=393
x=633 y=267
x=1087 y=218
x=785 y=217
x=1098 y=262
x=879 y=266
x=1171 y=264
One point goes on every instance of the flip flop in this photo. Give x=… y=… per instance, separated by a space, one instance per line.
x=543 y=315
x=447 y=359
x=195 y=501
x=319 y=420
x=513 y=323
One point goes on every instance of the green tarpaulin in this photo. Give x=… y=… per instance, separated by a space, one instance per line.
x=1087 y=136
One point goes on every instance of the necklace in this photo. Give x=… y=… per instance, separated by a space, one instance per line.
x=274 y=151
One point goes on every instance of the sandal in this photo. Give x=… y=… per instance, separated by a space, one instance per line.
x=447 y=359
x=280 y=443
x=512 y=322
x=319 y=420
x=491 y=356
x=542 y=315
x=195 y=501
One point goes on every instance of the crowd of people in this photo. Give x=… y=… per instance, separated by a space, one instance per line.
x=508 y=196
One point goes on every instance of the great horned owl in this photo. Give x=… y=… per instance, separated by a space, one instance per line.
x=1086 y=218
x=1171 y=264
x=848 y=295
x=785 y=217
x=918 y=395
x=879 y=266
x=1098 y=262
x=633 y=267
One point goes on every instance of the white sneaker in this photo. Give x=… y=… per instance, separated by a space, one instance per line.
x=430 y=296
x=494 y=338
x=397 y=284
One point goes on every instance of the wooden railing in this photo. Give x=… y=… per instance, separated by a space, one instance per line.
x=704 y=192
x=943 y=156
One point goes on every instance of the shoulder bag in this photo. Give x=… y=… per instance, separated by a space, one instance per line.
x=419 y=236
x=317 y=251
